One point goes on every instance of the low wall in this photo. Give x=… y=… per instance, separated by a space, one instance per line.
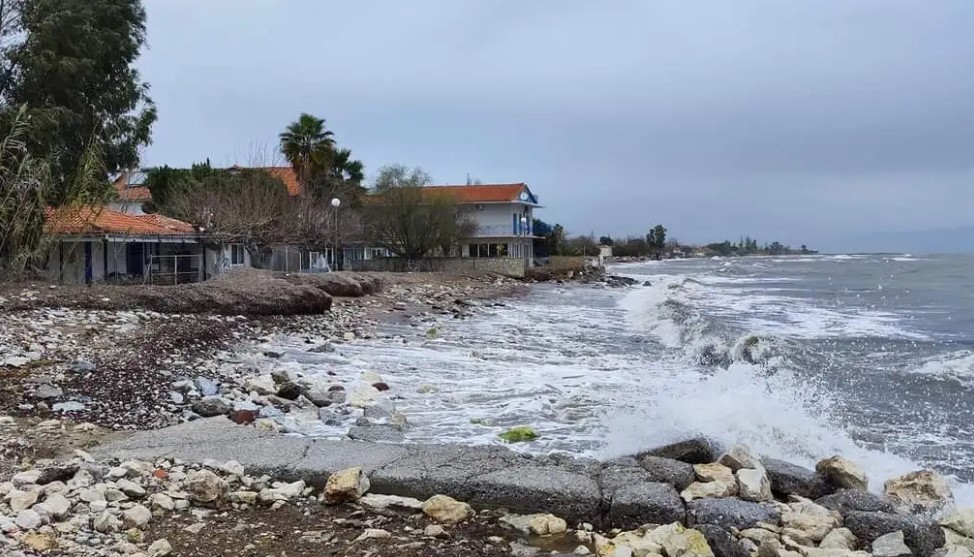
x=570 y=262
x=510 y=267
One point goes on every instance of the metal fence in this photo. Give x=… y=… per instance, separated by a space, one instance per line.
x=173 y=269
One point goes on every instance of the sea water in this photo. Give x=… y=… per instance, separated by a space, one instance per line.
x=870 y=357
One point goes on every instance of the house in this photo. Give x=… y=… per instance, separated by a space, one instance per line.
x=503 y=215
x=92 y=244
x=131 y=193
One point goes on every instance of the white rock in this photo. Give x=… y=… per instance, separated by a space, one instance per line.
x=435 y=531
x=843 y=473
x=160 y=548
x=539 y=524
x=262 y=385
x=106 y=522
x=840 y=538
x=739 y=457
x=923 y=491
x=346 y=486
x=706 y=490
x=232 y=467
x=81 y=479
x=130 y=488
x=162 y=501
x=22 y=500
x=26 y=478
x=754 y=485
x=244 y=497
x=814 y=520
x=447 y=510
x=373 y=534
x=55 y=506
x=891 y=545
x=137 y=516
x=390 y=501
x=290 y=490
x=28 y=520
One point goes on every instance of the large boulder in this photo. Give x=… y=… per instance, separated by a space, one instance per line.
x=922 y=535
x=920 y=491
x=677 y=541
x=739 y=457
x=721 y=542
x=961 y=521
x=840 y=538
x=645 y=503
x=790 y=479
x=714 y=480
x=846 y=500
x=843 y=473
x=212 y=406
x=667 y=470
x=692 y=451
x=731 y=513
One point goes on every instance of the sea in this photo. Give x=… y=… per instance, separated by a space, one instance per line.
x=800 y=358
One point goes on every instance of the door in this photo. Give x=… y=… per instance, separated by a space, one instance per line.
x=135 y=259
x=88 y=263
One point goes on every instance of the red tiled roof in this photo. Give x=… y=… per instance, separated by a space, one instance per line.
x=92 y=220
x=486 y=193
x=127 y=192
x=287 y=175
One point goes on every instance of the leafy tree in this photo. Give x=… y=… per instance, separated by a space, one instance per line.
x=557 y=244
x=71 y=62
x=656 y=239
x=606 y=240
x=308 y=146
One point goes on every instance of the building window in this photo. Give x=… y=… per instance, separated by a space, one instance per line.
x=236 y=255
x=489 y=250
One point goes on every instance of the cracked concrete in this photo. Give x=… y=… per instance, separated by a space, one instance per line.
x=578 y=490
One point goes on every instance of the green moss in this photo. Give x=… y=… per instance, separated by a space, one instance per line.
x=432 y=333
x=519 y=434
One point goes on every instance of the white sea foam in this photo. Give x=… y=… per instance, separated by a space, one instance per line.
x=957 y=366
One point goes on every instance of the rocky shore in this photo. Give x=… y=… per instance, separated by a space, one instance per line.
x=159 y=494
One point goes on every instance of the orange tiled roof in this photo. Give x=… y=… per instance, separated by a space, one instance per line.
x=91 y=220
x=287 y=175
x=486 y=193
x=131 y=191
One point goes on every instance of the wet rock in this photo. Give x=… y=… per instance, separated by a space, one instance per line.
x=262 y=385
x=205 y=487
x=645 y=503
x=693 y=451
x=754 y=485
x=212 y=406
x=666 y=470
x=721 y=542
x=731 y=513
x=447 y=510
x=376 y=433
x=740 y=457
x=346 y=486
x=843 y=473
x=919 y=492
x=380 y=386
x=269 y=412
x=790 y=479
x=321 y=399
x=961 y=521
x=921 y=535
x=289 y=390
x=891 y=545
x=846 y=500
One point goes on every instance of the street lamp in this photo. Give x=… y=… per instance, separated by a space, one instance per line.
x=336 y=203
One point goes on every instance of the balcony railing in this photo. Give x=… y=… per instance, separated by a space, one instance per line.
x=487 y=231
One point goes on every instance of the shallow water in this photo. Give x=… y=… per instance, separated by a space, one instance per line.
x=800 y=358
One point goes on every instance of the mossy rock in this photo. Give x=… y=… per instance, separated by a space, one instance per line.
x=432 y=333
x=519 y=434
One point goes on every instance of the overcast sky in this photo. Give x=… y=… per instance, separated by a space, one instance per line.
x=815 y=121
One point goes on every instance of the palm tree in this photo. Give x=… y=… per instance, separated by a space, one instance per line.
x=308 y=146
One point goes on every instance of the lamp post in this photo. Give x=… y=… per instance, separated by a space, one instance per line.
x=336 y=203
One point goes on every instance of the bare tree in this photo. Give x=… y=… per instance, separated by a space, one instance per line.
x=415 y=222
